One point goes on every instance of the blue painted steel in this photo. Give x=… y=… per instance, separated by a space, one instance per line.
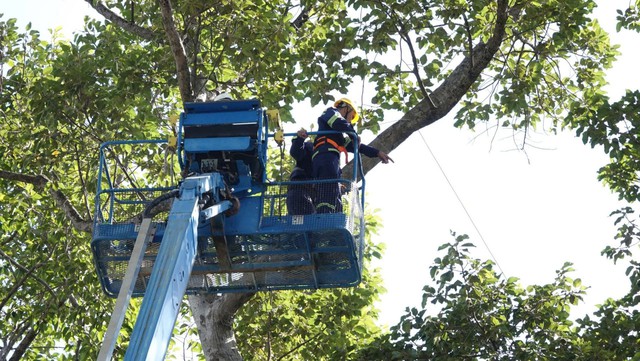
x=214 y=210
x=171 y=272
x=232 y=113
x=223 y=117
x=217 y=144
x=222 y=106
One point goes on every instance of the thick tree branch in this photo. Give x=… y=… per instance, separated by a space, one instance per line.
x=69 y=210
x=447 y=95
x=128 y=26
x=40 y=182
x=177 y=47
x=24 y=344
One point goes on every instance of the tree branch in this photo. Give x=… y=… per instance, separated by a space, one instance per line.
x=469 y=37
x=69 y=210
x=298 y=22
x=128 y=26
x=231 y=302
x=11 y=238
x=28 y=273
x=177 y=47
x=303 y=343
x=447 y=95
x=24 y=344
x=40 y=182
x=27 y=337
x=82 y=182
x=404 y=35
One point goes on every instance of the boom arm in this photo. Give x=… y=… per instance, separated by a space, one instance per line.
x=172 y=269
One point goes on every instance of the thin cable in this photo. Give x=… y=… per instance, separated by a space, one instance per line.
x=461 y=203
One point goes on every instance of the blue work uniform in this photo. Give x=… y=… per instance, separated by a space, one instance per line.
x=326 y=158
x=300 y=196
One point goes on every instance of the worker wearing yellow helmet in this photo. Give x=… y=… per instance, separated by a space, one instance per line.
x=327 y=148
x=351 y=109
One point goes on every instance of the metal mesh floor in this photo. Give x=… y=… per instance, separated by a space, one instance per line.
x=264 y=248
x=319 y=259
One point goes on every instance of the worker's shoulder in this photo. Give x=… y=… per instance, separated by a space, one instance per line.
x=328 y=113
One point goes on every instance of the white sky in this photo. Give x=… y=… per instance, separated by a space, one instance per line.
x=534 y=213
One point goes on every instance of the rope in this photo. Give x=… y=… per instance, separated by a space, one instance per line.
x=461 y=203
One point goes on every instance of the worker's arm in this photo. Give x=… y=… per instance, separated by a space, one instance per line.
x=371 y=152
x=298 y=150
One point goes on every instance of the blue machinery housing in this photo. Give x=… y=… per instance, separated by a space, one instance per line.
x=228 y=225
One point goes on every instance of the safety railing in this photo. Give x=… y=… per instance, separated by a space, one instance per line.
x=131 y=174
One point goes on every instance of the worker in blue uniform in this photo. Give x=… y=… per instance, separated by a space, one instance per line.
x=326 y=153
x=300 y=196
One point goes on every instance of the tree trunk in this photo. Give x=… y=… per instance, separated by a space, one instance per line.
x=214 y=316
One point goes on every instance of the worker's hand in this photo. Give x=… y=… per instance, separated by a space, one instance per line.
x=384 y=157
x=302 y=133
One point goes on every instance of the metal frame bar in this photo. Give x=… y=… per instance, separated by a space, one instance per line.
x=145 y=235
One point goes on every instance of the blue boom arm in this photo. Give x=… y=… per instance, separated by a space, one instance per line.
x=174 y=262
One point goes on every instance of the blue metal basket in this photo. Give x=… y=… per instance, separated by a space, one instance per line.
x=262 y=247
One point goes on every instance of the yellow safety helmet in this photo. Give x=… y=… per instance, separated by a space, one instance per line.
x=340 y=103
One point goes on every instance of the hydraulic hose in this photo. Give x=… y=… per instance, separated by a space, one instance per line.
x=155 y=202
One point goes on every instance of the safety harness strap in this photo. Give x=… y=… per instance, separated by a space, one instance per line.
x=332 y=143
